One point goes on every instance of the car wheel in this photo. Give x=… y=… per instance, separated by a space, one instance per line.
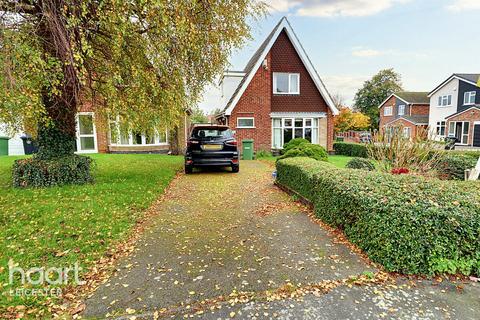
x=188 y=169
x=235 y=169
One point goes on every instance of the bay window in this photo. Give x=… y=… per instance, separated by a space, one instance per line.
x=286 y=129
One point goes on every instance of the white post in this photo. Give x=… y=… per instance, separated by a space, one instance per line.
x=475 y=173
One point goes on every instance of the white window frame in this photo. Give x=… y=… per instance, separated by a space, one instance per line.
x=401 y=107
x=292 y=126
x=407 y=132
x=454 y=134
x=390 y=111
x=440 y=125
x=290 y=75
x=246 y=127
x=79 y=135
x=470 y=94
x=445 y=98
x=156 y=143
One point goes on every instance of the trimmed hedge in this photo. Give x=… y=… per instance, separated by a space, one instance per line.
x=350 y=149
x=34 y=172
x=452 y=165
x=407 y=223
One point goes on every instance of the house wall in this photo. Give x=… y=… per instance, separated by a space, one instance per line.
x=386 y=119
x=438 y=114
x=258 y=100
x=466 y=87
x=15 y=143
x=420 y=109
x=101 y=126
x=471 y=116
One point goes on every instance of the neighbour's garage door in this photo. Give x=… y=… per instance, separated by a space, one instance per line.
x=476 y=135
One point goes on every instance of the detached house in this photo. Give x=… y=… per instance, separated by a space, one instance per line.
x=408 y=110
x=278 y=96
x=455 y=109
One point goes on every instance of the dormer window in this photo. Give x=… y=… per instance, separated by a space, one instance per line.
x=445 y=101
x=469 y=98
x=286 y=83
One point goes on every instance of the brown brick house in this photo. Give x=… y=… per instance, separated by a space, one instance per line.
x=408 y=110
x=278 y=96
x=96 y=134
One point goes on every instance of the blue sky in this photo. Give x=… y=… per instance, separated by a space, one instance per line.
x=349 y=41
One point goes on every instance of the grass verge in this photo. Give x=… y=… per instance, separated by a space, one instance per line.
x=336 y=160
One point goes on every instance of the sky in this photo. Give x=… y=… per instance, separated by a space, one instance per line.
x=349 y=41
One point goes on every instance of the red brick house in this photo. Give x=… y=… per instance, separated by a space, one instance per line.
x=278 y=96
x=408 y=110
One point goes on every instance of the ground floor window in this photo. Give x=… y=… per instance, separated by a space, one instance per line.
x=441 y=126
x=86 y=134
x=120 y=135
x=459 y=130
x=286 y=129
x=407 y=132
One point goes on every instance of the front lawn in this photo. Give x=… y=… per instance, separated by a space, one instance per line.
x=62 y=225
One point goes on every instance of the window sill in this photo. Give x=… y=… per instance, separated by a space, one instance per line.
x=245 y=127
x=286 y=94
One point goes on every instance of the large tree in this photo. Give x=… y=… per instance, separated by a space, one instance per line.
x=145 y=61
x=375 y=91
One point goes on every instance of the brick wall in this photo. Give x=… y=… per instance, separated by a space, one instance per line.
x=420 y=109
x=258 y=100
x=101 y=126
x=386 y=119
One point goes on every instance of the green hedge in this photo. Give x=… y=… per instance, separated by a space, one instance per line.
x=350 y=149
x=452 y=165
x=408 y=224
x=34 y=172
x=360 y=163
x=306 y=149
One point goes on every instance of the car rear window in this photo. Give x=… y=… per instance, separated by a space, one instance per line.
x=211 y=134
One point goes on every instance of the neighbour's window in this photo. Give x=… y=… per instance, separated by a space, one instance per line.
x=441 y=125
x=407 y=132
x=121 y=135
x=246 y=122
x=286 y=83
x=469 y=97
x=388 y=111
x=444 y=101
x=211 y=133
x=401 y=110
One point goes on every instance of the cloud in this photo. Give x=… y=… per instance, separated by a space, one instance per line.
x=344 y=85
x=334 y=8
x=367 y=53
x=461 y=5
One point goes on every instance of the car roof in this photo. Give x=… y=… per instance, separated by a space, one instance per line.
x=210 y=126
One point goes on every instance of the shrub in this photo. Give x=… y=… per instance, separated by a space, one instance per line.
x=34 y=172
x=452 y=165
x=293 y=144
x=350 y=149
x=309 y=150
x=263 y=154
x=360 y=163
x=407 y=223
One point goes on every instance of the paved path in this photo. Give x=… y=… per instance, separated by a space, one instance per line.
x=222 y=245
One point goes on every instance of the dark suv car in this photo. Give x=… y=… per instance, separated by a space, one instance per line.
x=211 y=145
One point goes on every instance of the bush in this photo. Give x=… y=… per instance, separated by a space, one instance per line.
x=34 y=172
x=309 y=150
x=263 y=154
x=452 y=165
x=350 y=149
x=293 y=144
x=407 y=223
x=360 y=163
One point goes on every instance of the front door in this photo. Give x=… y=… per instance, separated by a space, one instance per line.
x=476 y=134
x=86 y=134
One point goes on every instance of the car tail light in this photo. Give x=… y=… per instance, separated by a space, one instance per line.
x=233 y=143
x=192 y=142
x=234 y=160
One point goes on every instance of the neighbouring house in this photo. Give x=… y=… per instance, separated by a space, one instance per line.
x=96 y=134
x=455 y=109
x=15 y=143
x=278 y=96
x=408 y=110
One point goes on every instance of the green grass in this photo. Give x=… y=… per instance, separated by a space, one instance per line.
x=62 y=225
x=338 y=161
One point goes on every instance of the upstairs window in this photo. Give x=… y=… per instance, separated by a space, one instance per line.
x=286 y=83
x=445 y=101
x=401 y=110
x=388 y=111
x=469 y=98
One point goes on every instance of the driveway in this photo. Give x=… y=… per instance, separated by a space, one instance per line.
x=228 y=245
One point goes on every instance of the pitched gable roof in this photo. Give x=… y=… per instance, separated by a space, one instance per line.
x=255 y=62
x=409 y=97
x=472 y=78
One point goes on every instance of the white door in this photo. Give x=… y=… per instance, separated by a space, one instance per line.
x=86 y=133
